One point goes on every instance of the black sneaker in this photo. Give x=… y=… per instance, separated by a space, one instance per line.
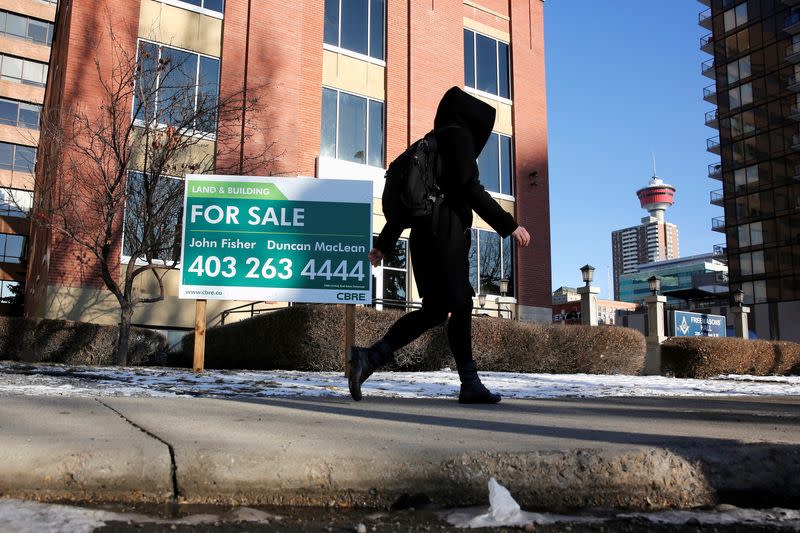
x=360 y=369
x=476 y=392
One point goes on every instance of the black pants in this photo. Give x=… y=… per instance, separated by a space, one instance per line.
x=440 y=260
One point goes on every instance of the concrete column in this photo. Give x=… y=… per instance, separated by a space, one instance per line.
x=589 y=312
x=656 y=333
x=740 y=327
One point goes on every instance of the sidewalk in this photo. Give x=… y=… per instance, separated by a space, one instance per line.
x=551 y=454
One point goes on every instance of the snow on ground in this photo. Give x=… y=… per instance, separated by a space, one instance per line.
x=72 y=380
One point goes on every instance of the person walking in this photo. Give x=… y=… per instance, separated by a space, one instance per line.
x=440 y=244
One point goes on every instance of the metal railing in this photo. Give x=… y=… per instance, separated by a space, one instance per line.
x=707 y=66
x=718 y=223
x=706 y=40
x=704 y=18
x=791 y=20
x=792 y=49
x=712 y=144
x=710 y=93
x=717 y=196
x=720 y=249
x=712 y=117
x=715 y=170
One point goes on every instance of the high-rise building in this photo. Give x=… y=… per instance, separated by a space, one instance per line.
x=348 y=84
x=652 y=240
x=755 y=66
x=26 y=32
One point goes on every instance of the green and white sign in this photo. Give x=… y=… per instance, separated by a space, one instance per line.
x=280 y=239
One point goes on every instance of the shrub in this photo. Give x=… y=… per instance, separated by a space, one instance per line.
x=702 y=357
x=62 y=341
x=311 y=338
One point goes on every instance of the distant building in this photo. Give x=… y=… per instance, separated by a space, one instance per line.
x=608 y=312
x=563 y=295
x=690 y=278
x=652 y=240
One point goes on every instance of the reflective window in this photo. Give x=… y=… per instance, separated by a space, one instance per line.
x=740 y=96
x=391 y=283
x=356 y=25
x=8 y=291
x=353 y=128
x=212 y=5
x=153 y=215
x=487 y=64
x=15 y=202
x=17 y=157
x=495 y=165
x=35 y=30
x=490 y=260
x=21 y=114
x=11 y=248
x=735 y=17
x=24 y=71
x=739 y=69
x=176 y=88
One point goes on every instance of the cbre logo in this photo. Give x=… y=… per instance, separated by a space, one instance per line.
x=351 y=297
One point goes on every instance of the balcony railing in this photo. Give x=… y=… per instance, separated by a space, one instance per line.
x=704 y=19
x=707 y=43
x=793 y=83
x=715 y=171
x=792 y=23
x=712 y=119
x=720 y=249
x=708 y=2
x=717 y=197
x=794 y=112
x=712 y=145
x=795 y=142
x=707 y=68
x=710 y=94
x=718 y=224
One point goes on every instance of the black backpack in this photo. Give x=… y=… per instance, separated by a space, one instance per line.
x=411 y=188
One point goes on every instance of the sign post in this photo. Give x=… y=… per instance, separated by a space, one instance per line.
x=686 y=324
x=278 y=239
x=199 y=335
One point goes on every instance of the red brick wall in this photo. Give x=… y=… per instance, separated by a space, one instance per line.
x=530 y=142
x=284 y=70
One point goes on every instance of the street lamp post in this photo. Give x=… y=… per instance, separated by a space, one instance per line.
x=589 y=314
x=503 y=292
x=740 y=312
x=656 y=331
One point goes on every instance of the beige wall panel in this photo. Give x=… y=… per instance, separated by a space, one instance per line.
x=502 y=120
x=507 y=205
x=38 y=10
x=180 y=28
x=27 y=49
x=24 y=136
x=83 y=305
x=486 y=30
x=18 y=180
x=353 y=75
x=18 y=91
x=200 y=153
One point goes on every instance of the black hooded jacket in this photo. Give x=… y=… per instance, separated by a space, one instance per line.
x=462 y=127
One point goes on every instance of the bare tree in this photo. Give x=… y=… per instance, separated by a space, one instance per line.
x=110 y=182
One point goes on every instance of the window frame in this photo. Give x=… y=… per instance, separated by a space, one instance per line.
x=11 y=208
x=19 y=104
x=502 y=195
x=194 y=132
x=366 y=129
x=201 y=10
x=379 y=275
x=21 y=79
x=506 y=100
x=4 y=257
x=48 y=33
x=14 y=157
x=338 y=48
x=511 y=296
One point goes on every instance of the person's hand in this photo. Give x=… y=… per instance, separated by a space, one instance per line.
x=522 y=236
x=375 y=257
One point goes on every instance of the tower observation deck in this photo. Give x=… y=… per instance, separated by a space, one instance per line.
x=656 y=197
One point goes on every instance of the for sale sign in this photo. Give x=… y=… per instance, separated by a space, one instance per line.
x=280 y=239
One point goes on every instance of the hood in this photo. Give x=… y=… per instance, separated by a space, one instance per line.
x=462 y=109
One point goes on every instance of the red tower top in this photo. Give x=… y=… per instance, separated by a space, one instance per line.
x=656 y=197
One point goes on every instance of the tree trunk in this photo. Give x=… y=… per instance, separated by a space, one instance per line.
x=126 y=312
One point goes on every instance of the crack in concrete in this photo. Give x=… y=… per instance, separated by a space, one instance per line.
x=176 y=493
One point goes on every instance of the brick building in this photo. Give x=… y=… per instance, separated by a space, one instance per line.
x=349 y=86
x=26 y=32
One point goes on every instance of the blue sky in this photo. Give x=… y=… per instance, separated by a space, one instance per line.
x=623 y=80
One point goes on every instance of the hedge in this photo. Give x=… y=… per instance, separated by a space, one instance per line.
x=703 y=357
x=310 y=338
x=61 y=341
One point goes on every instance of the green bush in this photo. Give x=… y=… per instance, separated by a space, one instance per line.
x=62 y=341
x=703 y=357
x=311 y=338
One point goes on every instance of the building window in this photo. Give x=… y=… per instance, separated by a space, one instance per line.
x=356 y=25
x=176 y=88
x=11 y=248
x=25 y=71
x=28 y=28
x=390 y=283
x=490 y=260
x=487 y=65
x=751 y=234
x=741 y=123
x=8 y=291
x=20 y=114
x=739 y=69
x=495 y=164
x=735 y=17
x=153 y=215
x=352 y=128
x=17 y=157
x=211 y=5
x=15 y=202
x=744 y=177
x=741 y=95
